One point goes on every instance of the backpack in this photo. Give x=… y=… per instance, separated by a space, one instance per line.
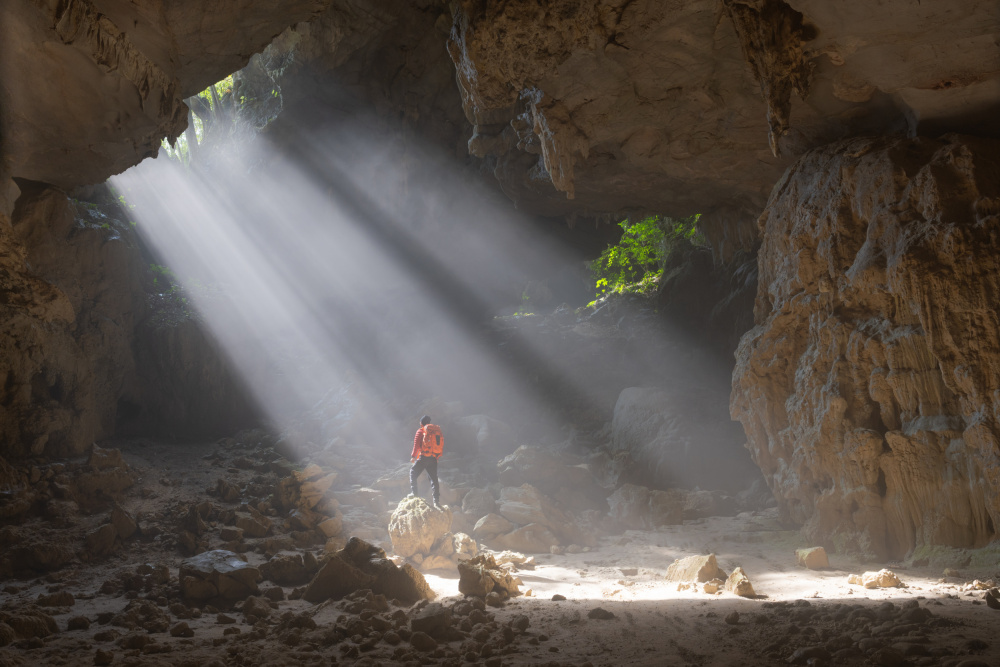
x=432 y=444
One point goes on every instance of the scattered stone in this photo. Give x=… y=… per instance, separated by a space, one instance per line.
x=695 y=568
x=733 y=618
x=217 y=574
x=60 y=599
x=949 y=572
x=558 y=597
x=102 y=657
x=223 y=619
x=78 y=623
x=253 y=524
x=227 y=491
x=600 y=614
x=182 y=629
x=231 y=534
x=881 y=579
x=813 y=558
x=29 y=622
x=434 y=620
x=494 y=599
x=142 y=614
x=101 y=541
x=289 y=569
x=739 y=583
x=362 y=565
x=422 y=642
x=123 y=521
x=256 y=609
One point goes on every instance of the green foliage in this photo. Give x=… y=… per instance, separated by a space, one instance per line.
x=635 y=264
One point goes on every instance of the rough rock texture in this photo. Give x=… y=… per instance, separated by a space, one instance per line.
x=868 y=389
x=362 y=565
x=695 y=568
x=90 y=87
x=415 y=526
x=668 y=105
x=681 y=437
x=217 y=574
x=84 y=349
x=642 y=509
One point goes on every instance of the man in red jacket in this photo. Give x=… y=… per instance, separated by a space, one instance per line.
x=427 y=446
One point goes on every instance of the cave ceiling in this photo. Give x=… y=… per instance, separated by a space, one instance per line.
x=576 y=108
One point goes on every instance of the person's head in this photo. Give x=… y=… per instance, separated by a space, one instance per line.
x=425 y=420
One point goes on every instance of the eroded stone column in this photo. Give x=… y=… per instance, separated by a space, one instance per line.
x=870 y=386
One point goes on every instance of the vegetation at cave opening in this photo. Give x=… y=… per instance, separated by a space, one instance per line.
x=634 y=264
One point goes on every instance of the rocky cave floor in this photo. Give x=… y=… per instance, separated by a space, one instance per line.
x=76 y=595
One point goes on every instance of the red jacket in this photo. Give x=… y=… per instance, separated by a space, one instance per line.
x=418 y=441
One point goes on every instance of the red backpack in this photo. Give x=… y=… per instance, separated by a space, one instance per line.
x=432 y=444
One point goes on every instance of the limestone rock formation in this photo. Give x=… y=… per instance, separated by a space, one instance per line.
x=415 y=526
x=695 y=568
x=111 y=83
x=680 y=437
x=868 y=386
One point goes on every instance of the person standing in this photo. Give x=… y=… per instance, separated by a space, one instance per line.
x=427 y=447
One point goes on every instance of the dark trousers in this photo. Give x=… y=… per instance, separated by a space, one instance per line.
x=430 y=464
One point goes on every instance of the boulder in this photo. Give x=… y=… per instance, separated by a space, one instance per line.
x=481 y=576
x=434 y=619
x=492 y=525
x=813 y=558
x=101 y=541
x=559 y=476
x=362 y=565
x=533 y=538
x=123 y=521
x=641 y=508
x=681 y=437
x=881 y=579
x=289 y=569
x=217 y=574
x=479 y=503
x=738 y=583
x=695 y=568
x=415 y=526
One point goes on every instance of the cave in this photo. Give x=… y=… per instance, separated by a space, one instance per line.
x=691 y=308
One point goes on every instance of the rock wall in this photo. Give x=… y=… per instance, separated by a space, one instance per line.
x=870 y=386
x=74 y=318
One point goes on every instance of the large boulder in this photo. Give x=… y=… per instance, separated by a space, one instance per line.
x=219 y=575
x=362 y=565
x=681 y=437
x=478 y=503
x=560 y=476
x=481 y=576
x=415 y=526
x=641 y=508
x=696 y=568
x=533 y=538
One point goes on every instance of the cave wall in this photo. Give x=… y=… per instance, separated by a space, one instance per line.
x=869 y=388
x=87 y=346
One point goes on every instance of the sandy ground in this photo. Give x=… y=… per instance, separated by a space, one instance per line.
x=799 y=616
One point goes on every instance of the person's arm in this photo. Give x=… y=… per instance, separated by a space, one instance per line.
x=418 y=440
